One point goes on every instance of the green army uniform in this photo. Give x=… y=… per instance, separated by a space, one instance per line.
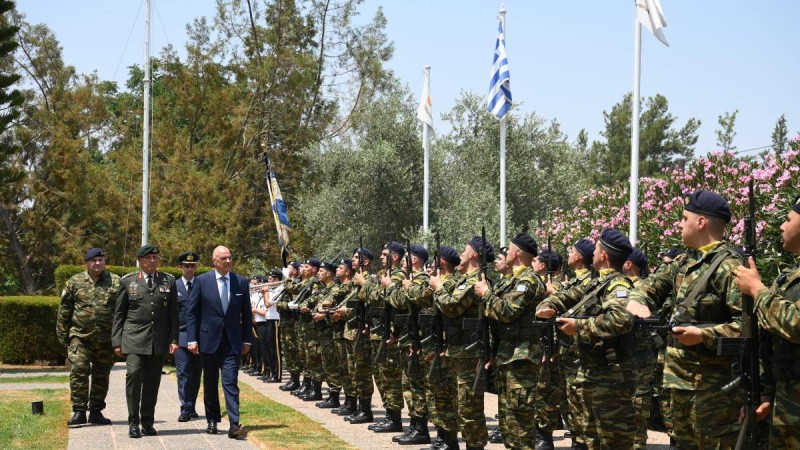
x=551 y=401
x=334 y=355
x=702 y=416
x=145 y=324
x=288 y=337
x=519 y=355
x=359 y=359
x=440 y=392
x=84 y=322
x=645 y=356
x=309 y=289
x=778 y=310
x=607 y=375
x=463 y=303
x=312 y=333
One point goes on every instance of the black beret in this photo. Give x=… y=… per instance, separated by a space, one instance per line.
x=673 y=252
x=347 y=263
x=502 y=251
x=551 y=260
x=477 y=244
x=525 y=243
x=93 y=253
x=277 y=274
x=419 y=251
x=708 y=203
x=147 y=250
x=313 y=262
x=188 y=258
x=329 y=266
x=295 y=264
x=617 y=241
x=639 y=259
x=585 y=248
x=365 y=251
x=450 y=255
x=396 y=247
x=796 y=205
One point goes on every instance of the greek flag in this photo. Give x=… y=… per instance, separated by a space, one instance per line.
x=499 y=98
x=279 y=210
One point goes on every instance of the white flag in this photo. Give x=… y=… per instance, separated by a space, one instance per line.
x=424 y=113
x=650 y=14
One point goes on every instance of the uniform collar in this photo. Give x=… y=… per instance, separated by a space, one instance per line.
x=581 y=272
x=517 y=270
x=604 y=272
x=708 y=248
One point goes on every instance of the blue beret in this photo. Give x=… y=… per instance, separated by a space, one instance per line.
x=639 y=259
x=796 y=205
x=450 y=255
x=396 y=247
x=585 y=248
x=295 y=264
x=617 y=241
x=277 y=274
x=419 y=251
x=188 y=258
x=329 y=266
x=550 y=259
x=313 y=262
x=365 y=251
x=347 y=263
x=147 y=250
x=708 y=203
x=525 y=243
x=477 y=244
x=93 y=253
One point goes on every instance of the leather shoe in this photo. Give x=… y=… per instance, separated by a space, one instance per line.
x=193 y=415
x=184 y=417
x=212 y=428
x=237 y=432
x=148 y=430
x=97 y=418
x=273 y=380
x=78 y=418
x=133 y=432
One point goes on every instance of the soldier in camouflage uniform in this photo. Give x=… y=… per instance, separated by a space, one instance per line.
x=334 y=355
x=505 y=270
x=519 y=351
x=707 y=305
x=84 y=321
x=778 y=311
x=458 y=307
x=291 y=287
x=596 y=314
x=389 y=373
x=311 y=285
x=314 y=331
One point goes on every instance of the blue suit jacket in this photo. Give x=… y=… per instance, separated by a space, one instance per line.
x=183 y=312
x=205 y=321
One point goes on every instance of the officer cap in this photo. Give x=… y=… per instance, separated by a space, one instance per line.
x=673 y=252
x=147 y=250
x=396 y=247
x=550 y=259
x=708 y=203
x=419 y=251
x=639 y=259
x=796 y=205
x=450 y=255
x=93 y=253
x=525 y=243
x=585 y=248
x=188 y=258
x=329 y=266
x=313 y=262
x=365 y=251
x=277 y=274
x=477 y=244
x=617 y=241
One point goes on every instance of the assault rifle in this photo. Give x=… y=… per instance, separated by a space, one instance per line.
x=483 y=326
x=360 y=317
x=413 y=322
x=386 y=319
x=435 y=372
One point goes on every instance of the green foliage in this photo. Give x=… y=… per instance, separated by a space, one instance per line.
x=65 y=272
x=726 y=133
x=780 y=135
x=27 y=330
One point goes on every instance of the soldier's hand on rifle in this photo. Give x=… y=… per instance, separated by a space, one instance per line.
x=545 y=313
x=360 y=279
x=304 y=309
x=761 y=412
x=747 y=279
x=435 y=282
x=567 y=326
x=638 y=309
x=688 y=335
x=550 y=289
x=481 y=287
x=340 y=313
x=317 y=317
x=406 y=284
x=386 y=281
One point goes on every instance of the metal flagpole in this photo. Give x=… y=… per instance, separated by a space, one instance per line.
x=146 y=136
x=634 y=186
x=426 y=143
x=503 y=153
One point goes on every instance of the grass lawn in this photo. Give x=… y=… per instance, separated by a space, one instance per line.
x=15 y=368
x=36 y=379
x=21 y=429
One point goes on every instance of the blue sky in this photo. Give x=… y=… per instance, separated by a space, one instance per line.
x=568 y=60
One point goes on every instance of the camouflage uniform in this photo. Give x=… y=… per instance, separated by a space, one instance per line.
x=607 y=374
x=551 y=401
x=84 y=323
x=645 y=354
x=315 y=332
x=778 y=311
x=519 y=355
x=702 y=416
x=441 y=393
x=334 y=355
x=287 y=334
x=463 y=303
x=359 y=360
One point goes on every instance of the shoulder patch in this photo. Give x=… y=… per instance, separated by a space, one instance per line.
x=64 y=292
x=622 y=294
x=521 y=287
x=128 y=275
x=461 y=287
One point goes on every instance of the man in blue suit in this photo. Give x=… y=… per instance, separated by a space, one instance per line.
x=188 y=365
x=220 y=326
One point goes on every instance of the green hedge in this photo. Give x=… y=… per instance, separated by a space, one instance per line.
x=28 y=330
x=64 y=272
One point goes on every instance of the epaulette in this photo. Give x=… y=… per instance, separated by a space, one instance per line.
x=170 y=276
x=131 y=274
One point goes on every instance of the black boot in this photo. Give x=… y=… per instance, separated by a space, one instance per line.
x=672 y=444
x=495 y=437
x=419 y=434
x=393 y=425
x=412 y=423
x=364 y=412
x=78 y=418
x=450 y=441
x=331 y=402
x=437 y=442
x=292 y=384
x=97 y=418
x=544 y=440
x=348 y=408
x=315 y=393
x=304 y=387
x=578 y=445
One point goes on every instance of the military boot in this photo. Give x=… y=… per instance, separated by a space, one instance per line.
x=347 y=408
x=304 y=387
x=78 y=418
x=393 y=425
x=419 y=434
x=437 y=442
x=292 y=384
x=495 y=437
x=578 y=445
x=315 y=393
x=450 y=441
x=331 y=402
x=364 y=412
x=412 y=422
x=544 y=440
x=97 y=418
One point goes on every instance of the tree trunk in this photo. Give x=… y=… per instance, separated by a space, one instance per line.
x=20 y=257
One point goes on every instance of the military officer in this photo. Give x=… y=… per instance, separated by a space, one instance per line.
x=84 y=323
x=188 y=366
x=145 y=328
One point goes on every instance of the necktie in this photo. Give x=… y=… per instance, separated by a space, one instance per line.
x=223 y=295
x=149 y=282
x=189 y=286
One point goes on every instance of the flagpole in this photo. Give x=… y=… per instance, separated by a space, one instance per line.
x=502 y=13
x=146 y=134
x=634 y=181
x=426 y=142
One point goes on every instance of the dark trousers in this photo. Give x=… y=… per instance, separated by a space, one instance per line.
x=141 y=387
x=189 y=368
x=257 y=349
x=270 y=348
x=225 y=362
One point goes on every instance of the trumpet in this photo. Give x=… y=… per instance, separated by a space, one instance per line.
x=257 y=287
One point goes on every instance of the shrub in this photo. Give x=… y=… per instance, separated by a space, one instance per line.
x=28 y=330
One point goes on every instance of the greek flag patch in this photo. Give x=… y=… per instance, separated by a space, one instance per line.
x=462 y=287
x=521 y=288
x=622 y=294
